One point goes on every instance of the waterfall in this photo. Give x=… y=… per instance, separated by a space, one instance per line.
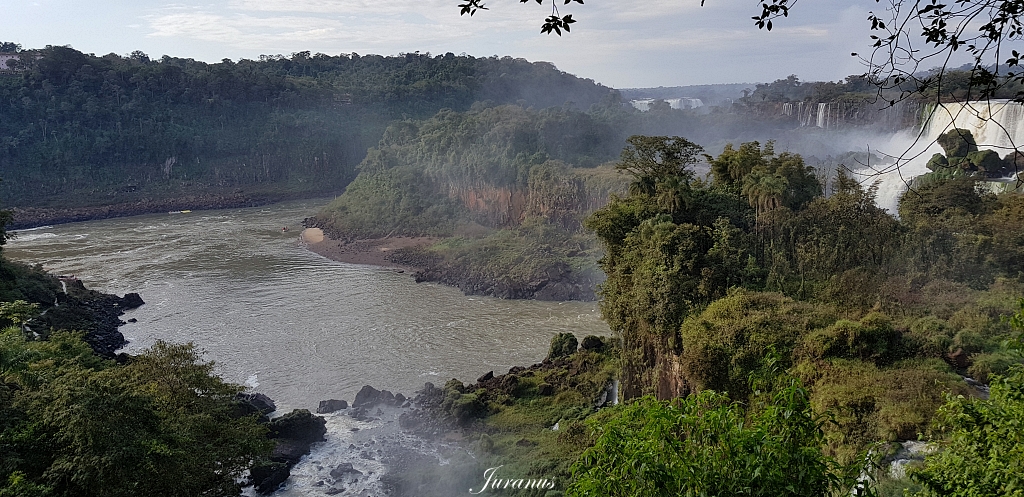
x=996 y=125
x=644 y=104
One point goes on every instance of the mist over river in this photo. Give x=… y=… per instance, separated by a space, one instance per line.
x=292 y=324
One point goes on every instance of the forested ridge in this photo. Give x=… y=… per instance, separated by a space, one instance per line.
x=77 y=129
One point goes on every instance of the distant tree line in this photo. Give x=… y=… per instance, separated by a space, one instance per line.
x=77 y=125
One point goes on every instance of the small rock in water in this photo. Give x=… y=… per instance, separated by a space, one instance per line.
x=343 y=470
x=334 y=491
x=332 y=405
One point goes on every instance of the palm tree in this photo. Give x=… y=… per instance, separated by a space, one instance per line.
x=764 y=192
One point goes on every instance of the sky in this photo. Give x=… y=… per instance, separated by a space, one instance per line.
x=617 y=43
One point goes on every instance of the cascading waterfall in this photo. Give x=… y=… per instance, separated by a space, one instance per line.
x=823 y=109
x=996 y=125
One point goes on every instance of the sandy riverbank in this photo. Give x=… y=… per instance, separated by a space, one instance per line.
x=374 y=252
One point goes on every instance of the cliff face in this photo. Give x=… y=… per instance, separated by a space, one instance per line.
x=493 y=206
x=559 y=194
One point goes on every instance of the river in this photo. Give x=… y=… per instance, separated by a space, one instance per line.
x=289 y=323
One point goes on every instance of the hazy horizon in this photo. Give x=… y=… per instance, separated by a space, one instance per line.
x=666 y=43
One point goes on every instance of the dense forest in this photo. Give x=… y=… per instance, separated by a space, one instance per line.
x=874 y=315
x=85 y=130
x=769 y=339
x=82 y=129
x=507 y=189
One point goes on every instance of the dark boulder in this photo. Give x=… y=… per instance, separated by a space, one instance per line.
x=332 y=405
x=593 y=343
x=509 y=384
x=293 y=435
x=289 y=451
x=487 y=376
x=429 y=396
x=268 y=477
x=131 y=301
x=958 y=359
x=367 y=396
x=248 y=404
x=299 y=425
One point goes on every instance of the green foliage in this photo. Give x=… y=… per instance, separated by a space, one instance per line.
x=74 y=424
x=830 y=236
x=519 y=261
x=17 y=312
x=722 y=346
x=562 y=345
x=957 y=143
x=397 y=200
x=706 y=444
x=984 y=445
x=653 y=159
x=80 y=129
x=767 y=180
x=872 y=339
x=888 y=308
x=488 y=166
x=869 y=403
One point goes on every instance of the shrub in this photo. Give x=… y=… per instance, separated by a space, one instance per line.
x=706 y=444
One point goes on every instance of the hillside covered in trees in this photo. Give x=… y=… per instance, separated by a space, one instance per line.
x=768 y=338
x=78 y=129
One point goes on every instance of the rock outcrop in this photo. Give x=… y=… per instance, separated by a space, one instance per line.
x=294 y=434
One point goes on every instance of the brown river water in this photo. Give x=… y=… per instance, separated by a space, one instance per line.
x=296 y=326
x=292 y=324
x=302 y=327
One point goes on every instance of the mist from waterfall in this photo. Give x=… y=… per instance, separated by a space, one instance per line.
x=996 y=125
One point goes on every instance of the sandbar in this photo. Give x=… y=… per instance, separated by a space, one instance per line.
x=372 y=252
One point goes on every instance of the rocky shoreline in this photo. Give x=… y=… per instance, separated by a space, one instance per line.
x=97 y=314
x=559 y=285
x=439 y=442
